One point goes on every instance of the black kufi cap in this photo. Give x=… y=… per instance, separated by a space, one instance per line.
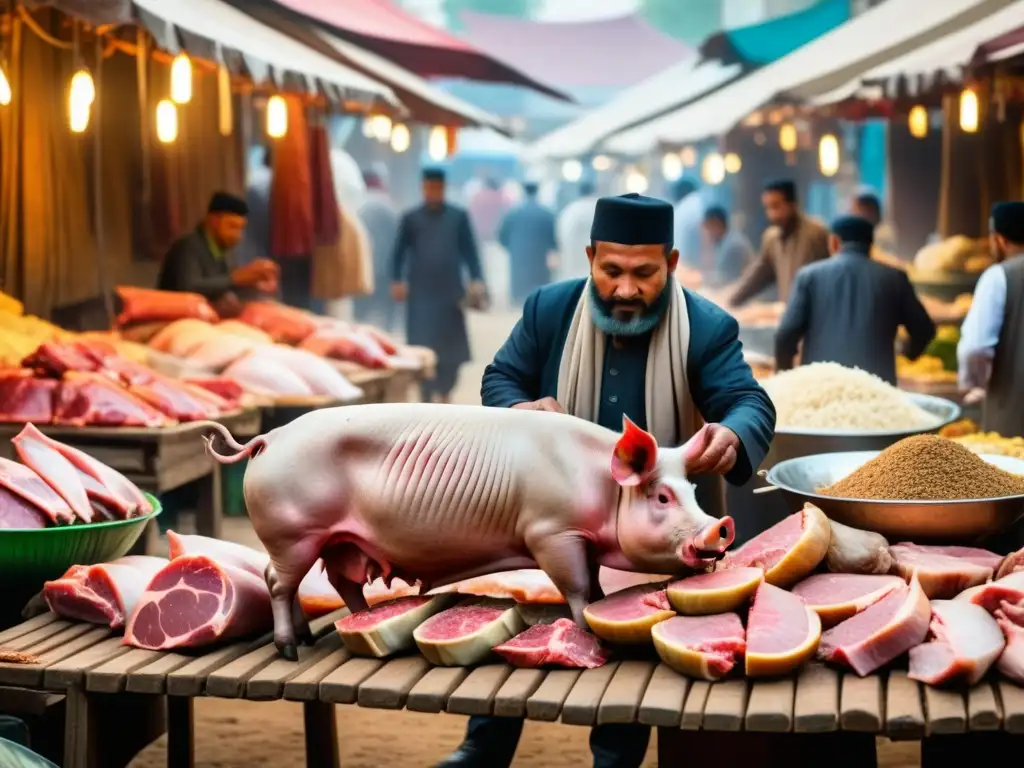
x=632 y=220
x=433 y=173
x=1008 y=221
x=225 y=202
x=853 y=229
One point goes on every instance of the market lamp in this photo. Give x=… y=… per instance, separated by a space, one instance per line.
x=572 y=170
x=601 y=163
x=166 y=121
x=733 y=164
x=828 y=155
x=380 y=127
x=437 y=143
x=5 y=87
x=277 y=117
x=689 y=156
x=225 y=115
x=181 y=79
x=787 y=137
x=713 y=169
x=400 y=138
x=636 y=181
x=81 y=95
x=917 y=122
x=968 y=111
x=671 y=166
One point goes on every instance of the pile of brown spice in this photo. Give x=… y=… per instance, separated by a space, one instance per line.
x=926 y=468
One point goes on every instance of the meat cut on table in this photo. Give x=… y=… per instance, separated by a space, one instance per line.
x=39 y=454
x=789 y=550
x=558 y=644
x=716 y=592
x=944 y=571
x=964 y=641
x=628 y=615
x=836 y=597
x=705 y=647
x=105 y=594
x=782 y=632
x=26 y=398
x=387 y=628
x=92 y=399
x=30 y=487
x=18 y=514
x=466 y=634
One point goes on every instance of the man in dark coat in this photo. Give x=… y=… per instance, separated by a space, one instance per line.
x=628 y=341
x=527 y=233
x=435 y=246
x=849 y=309
x=199 y=262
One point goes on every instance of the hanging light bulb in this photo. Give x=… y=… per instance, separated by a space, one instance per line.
x=787 y=137
x=828 y=155
x=400 y=138
x=225 y=114
x=968 y=111
x=277 y=117
x=636 y=181
x=601 y=162
x=166 y=121
x=671 y=166
x=380 y=127
x=732 y=163
x=78 y=115
x=689 y=156
x=5 y=88
x=917 y=122
x=437 y=144
x=181 y=79
x=713 y=169
x=83 y=89
x=572 y=170
x=368 y=127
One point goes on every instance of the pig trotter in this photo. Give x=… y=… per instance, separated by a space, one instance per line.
x=282 y=601
x=563 y=557
x=302 y=631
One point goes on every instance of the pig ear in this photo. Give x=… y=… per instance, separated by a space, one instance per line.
x=636 y=454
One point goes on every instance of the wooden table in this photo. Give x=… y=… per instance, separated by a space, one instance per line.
x=819 y=706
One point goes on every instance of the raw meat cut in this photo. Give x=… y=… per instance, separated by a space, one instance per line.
x=387 y=627
x=789 y=550
x=145 y=305
x=92 y=399
x=193 y=602
x=628 y=615
x=105 y=594
x=220 y=351
x=285 y=325
x=18 y=514
x=533 y=586
x=835 y=597
x=59 y=473
x=705 y=647
x=559 y=644
x=1009 y=589
x=386 y=343
x=266 y=377
x=322 y=377
x=881 y=632
x=782 y=632
x=174 y=400
x=944 y=572
x=24 y=398
x=55 y=358
x=228 y=389
x=852 y=550
x=23 y=482
x=182 y=337
x=1011 y=661
x=1011 y=563
x=344 y=344
x=717 y=592
x=466 y=634
x=964 y=642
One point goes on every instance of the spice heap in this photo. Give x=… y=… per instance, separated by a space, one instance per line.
x=926 y=468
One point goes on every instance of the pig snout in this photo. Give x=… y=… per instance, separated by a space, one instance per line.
x=709 y=543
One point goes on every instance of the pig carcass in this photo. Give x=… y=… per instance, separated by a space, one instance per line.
x=443 y=493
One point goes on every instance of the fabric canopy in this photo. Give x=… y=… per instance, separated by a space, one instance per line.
x=203 y=26
x=1007 y=45
x=887 y=30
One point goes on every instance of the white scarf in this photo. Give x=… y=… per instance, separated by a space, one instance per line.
x=671 y=415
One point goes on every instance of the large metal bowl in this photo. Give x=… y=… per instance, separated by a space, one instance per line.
x=960 y=521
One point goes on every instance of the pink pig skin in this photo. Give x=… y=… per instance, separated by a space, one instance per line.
x=443 y=493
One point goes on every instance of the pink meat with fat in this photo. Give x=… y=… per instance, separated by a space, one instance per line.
x=964 y=642
x=105 y=594
x=59 y=473
x=26 y=484
x=194 y=602
x=720 y=639
x=944 y=571
x=559 y=644
x=1011 y=662
x=1009 y=589
x=18 y=514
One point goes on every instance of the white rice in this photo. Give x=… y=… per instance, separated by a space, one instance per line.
x=831 y=396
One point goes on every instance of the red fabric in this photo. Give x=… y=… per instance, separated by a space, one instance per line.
x=327 y=224
x=292 y=223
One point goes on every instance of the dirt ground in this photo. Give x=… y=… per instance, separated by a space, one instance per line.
x=234 y=734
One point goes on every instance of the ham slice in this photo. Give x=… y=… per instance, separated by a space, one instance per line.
x=782 y=632
x=835 y=597
x=174 y=399
x=26 y=484
x=628 y=615
x=93 y=399
x=194 y=601
x=789 y=550
x=51 y=465
x=346 y=344
x=229 y=390
x=881 y=632
x=705 y=647
x=944 y=572
x=105 y=594
x=284 y=324
x=559 y=644
x=24 y=398
x=965 y=642
x=18 y=514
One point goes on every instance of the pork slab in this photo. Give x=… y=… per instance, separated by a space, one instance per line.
x=965 y=642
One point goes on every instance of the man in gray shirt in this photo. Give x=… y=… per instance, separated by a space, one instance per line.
x=731 y=250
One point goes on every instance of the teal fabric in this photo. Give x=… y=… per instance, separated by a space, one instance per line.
x=13 y=755
x=764 y=43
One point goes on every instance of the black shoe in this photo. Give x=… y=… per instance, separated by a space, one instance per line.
x=469 y=756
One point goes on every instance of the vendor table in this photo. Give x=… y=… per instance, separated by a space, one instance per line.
x=818 y=709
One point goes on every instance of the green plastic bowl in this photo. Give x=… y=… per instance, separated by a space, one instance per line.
x=32 y=556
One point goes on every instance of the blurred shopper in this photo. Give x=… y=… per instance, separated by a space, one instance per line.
x=991 y=348
x=849 y=308
x=868 y=206
x=435 y=246
x=573 y=233
x=689 y=216
x=792 y=241
x=730 y=248
x=486 y=207
x=528 y=234
x=380 y=218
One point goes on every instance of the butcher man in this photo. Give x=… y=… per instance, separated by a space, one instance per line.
x=629 y=341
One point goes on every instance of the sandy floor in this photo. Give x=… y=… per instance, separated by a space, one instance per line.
x=232 y=734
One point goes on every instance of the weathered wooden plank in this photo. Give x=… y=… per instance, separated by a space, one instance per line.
x=511 y=698
x=305 y=686
x=816 y=708
x=1012 y=698
x=984 y=711
x=476 y=694
x=342 y=685
x=770 y=706
x=189 y=679
x=662 y=704
x=621 y=700
x=389 y=686
x=152 y=678
x=48 y=637
x=580 y=706
x=229 y=681
x=726 y=706
x=904 y=711
x=31 y=675
x=71 y=671
x=862 y=703
x=268 y=683
x=546 y=702
x=26 y=627
x=693 y=708
x=945 y=711
x=112 y=675
x=431 y=693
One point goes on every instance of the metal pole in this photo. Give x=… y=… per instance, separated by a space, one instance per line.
x=97 y=186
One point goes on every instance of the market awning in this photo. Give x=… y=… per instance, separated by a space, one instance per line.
x=205 y=28
x=398 y=36
x=1007 y=45
x=938 y=62
x=889 y=29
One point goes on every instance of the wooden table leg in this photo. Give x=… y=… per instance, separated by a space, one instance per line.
x=79 y=750
x=321 y=735
x=181 y=745
x=210 y=512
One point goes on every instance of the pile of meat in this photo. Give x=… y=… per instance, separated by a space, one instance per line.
x=56 y=484
x=87 y=382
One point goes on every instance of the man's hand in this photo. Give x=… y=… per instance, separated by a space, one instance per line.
x=713 y=450
x=227 y=305
x=254 y=273
x=544 y=404
x=399 y=291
